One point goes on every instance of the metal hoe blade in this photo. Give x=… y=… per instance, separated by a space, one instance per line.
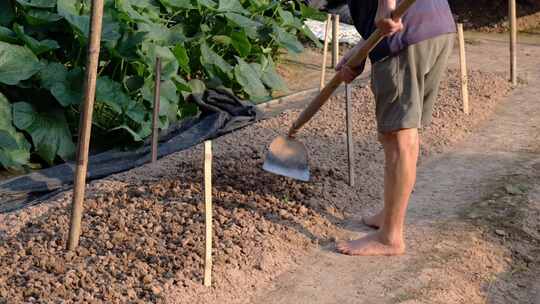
x=288 y=157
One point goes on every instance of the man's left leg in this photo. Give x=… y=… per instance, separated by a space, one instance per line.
x=401 y=154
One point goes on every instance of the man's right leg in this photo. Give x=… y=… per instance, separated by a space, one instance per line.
x=391 y=152
x=401 y=152
x=434 y=56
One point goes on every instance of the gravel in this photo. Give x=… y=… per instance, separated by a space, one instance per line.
x=143 y=230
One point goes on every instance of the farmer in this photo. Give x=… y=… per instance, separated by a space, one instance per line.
x=407 y=67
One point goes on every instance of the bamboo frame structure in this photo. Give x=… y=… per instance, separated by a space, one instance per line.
x=350 y=141
x=513 y=41
x=325 y=50
x=85 y=123
x=463 y=69
x=208 y=212
x=155 y=114
x=335 y=40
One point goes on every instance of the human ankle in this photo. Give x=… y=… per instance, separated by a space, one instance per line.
x=391 y=238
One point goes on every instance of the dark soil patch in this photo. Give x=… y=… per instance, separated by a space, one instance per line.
x=508 y=215
x=492 y=16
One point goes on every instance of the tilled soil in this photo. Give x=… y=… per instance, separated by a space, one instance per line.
x=143 y=230
x=492 y=16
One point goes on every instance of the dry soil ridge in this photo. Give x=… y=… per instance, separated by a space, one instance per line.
x=449 y=261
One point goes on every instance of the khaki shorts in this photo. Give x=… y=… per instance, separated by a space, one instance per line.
x=406 y=85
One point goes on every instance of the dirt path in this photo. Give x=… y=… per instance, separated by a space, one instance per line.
x=449 y=258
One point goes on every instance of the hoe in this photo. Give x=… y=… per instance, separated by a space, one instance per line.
x=286 y=155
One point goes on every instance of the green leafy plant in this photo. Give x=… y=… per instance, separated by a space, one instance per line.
x=201 y=43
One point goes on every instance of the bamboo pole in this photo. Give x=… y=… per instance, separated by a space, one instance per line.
x=463 y=68
x=85 y=123
x=513 y=41
x=335 y=40
x=350 y=142
x=208 y=212
x=325 y=50
x=155 y=116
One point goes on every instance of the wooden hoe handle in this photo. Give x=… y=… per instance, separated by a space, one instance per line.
x=355 y=60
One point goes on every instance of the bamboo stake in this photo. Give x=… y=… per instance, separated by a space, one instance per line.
x=155 y=116
x=513 y=41
x=350 y=143
x=325 y=50
x=85 y=123
x=463 y=67
x=335 y=40
x=208 y=212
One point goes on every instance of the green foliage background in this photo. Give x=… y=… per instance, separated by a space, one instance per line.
x=202 y=43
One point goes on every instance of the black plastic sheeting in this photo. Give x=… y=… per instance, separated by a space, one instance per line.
x=220 y=113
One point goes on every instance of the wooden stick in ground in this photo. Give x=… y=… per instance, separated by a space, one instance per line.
x=155 y=116
x=513 y=41
x=335 y=40
x=463 y=68
x=325 y=50
x=208 y=212
x=350 y=142
x=85 y=124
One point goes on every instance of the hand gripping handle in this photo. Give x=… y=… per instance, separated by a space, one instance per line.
x=355 y=60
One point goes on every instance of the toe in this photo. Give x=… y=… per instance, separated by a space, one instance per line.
x=342 y=246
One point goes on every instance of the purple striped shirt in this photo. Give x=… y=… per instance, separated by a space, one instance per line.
x=424 y=20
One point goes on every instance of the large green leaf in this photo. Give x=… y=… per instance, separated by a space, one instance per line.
x=233 y=6
x=16 y=63
x=241 y=43
x=169 y=64
x=112 y=94
x=38 y=47
x=222 y=39
x=251 y=27
x=129 y=7
x=270 y=77
x=14 y=148
x=143 y=131
x=128 y=46
x=250 y=81
x=197 y=86
x=177 y=4
x=181 y=84
x=110 y=31
x=8 y=35
x=214 y=63
x=7 y=12
x=168 y=100
x=181 y=55
x=66 y=86
x=37 y=17
x=69 y=9
x=162 y=35
x=287 y=40
x=37 y=3
x=309 y=34
x=288 y=20
x=309 y=12
x=49 y=131
x=207 y=3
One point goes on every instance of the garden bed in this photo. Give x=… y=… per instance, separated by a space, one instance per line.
x=143 y=230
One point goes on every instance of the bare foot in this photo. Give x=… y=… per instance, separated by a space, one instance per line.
x=372 y=244
x=374 y=221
